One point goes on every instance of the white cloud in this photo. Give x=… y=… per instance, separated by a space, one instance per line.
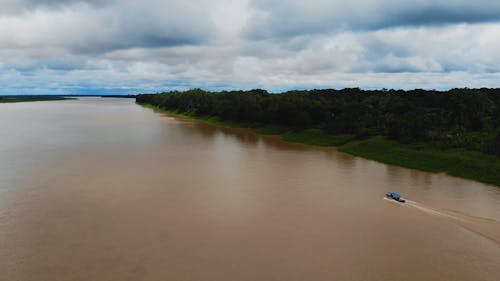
x=70 y=45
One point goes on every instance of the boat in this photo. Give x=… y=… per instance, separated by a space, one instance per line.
x=394 y=196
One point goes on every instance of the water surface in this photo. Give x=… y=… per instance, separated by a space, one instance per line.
x=103 y=189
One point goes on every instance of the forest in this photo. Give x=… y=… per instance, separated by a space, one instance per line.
x=466 y=119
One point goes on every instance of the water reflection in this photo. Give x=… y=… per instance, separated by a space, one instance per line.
x=244 y=136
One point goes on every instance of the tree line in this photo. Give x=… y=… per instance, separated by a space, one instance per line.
x=458 y=118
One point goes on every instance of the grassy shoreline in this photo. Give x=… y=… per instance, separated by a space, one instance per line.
x=462 y=163
x=459 y=163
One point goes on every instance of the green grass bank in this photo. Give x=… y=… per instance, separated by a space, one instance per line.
x=455 y=162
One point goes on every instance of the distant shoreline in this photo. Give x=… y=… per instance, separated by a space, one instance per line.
x=15 y=99
x=30 y=98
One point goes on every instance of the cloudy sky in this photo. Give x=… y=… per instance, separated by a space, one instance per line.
x=129 y=46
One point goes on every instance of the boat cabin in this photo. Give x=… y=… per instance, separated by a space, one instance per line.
x=394 y=195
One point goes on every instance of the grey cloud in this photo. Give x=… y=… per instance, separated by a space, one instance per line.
x=59 y=3
x=63 y=2
x=22 y=6
x=284 y=19
x=82 y=28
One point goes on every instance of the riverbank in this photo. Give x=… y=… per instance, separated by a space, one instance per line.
x=311 y=136
x=455 y=162
x=12 y=99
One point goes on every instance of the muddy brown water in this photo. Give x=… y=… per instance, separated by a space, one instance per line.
x=104 y=189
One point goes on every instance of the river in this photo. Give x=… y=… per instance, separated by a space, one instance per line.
x=104 y=189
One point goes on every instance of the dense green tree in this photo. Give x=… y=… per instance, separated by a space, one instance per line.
x=459 y=118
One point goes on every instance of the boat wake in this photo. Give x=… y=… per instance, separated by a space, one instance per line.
x=427 y=209
x=485 y=227
x=431 y=211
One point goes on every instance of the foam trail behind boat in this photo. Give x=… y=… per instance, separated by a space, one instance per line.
x=430 y=210
x=420 y=207
x=486 y=228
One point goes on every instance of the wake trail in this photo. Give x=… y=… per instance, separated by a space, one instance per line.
x=467 y=222
x=450 y=214
x=431 y=211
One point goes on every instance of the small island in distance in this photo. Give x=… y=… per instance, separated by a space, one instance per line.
x=455 y=131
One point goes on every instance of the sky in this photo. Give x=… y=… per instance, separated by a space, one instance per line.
x=129 y=46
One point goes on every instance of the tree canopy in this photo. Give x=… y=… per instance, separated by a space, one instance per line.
x=458 y=118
